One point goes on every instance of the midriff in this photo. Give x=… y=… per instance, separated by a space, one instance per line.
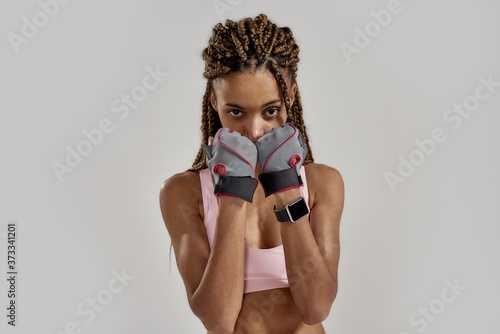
x=272 y=311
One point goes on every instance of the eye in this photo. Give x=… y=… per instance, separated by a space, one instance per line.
x=234 y=113
x=273 y=111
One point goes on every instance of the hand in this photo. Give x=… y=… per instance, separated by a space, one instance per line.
x=281 y=154
x=232 y=159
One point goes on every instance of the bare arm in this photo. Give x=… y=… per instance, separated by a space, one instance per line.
x=213 y=279
x=312 y=247
x=220 y=292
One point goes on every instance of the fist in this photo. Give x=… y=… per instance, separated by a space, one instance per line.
x=281 y=148
x=281 y=151
x=232 y=159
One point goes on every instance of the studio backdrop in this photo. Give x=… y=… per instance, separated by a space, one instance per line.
x=101 y=103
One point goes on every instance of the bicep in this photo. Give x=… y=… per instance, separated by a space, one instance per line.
x=325 y=218
x=187 y=232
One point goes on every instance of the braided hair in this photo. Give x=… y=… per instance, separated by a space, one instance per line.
x=236 y=46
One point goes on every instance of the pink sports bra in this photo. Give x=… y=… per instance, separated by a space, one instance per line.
x=264 y=268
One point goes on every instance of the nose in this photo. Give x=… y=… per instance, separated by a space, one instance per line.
x=255 y=130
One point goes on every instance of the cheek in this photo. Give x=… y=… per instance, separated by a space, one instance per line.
x=282 y=116
x=228 y=122
x=224 y=119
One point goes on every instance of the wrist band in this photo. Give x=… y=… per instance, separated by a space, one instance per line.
x=276 y=181
x=241 y=187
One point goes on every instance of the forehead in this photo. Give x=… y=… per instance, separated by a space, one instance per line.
x=247 y=85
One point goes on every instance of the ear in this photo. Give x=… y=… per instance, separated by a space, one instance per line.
x=213 y=99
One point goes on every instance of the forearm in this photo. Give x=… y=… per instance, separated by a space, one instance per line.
x=218 y=298
x=312 y=285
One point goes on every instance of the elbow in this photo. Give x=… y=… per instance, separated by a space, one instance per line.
x=315 y=316
x=220 y=327
x=318 y=313
x=214 y=323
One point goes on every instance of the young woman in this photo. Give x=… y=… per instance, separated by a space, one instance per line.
x=254 y=222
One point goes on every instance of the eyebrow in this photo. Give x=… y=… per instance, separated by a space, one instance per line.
x=265 y=104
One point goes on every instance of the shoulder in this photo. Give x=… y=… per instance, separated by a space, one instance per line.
x=180 y=207
x=324 y=182
x=318 y=174
x=180 y=181
x=181 y=190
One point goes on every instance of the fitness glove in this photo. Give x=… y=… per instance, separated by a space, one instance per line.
x=232 y=160
x=281 y=153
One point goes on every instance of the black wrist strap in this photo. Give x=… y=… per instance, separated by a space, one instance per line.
x=275 y=181
x=293 y=211
x=242 y=187
x=281 y=215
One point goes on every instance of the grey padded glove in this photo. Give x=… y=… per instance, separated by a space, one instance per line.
x=236 y=155
x=281 y=154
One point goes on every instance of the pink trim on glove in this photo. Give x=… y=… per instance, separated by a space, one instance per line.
x=222 y=167
x=294 y=157
x=263 y=168
x=229 y=148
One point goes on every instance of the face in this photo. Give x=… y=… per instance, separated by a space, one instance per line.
x=250 y=102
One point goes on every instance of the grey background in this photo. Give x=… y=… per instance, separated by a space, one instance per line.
x=398 y=247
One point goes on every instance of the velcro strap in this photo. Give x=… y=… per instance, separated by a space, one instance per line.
x=241 y=187
x=276 y=181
